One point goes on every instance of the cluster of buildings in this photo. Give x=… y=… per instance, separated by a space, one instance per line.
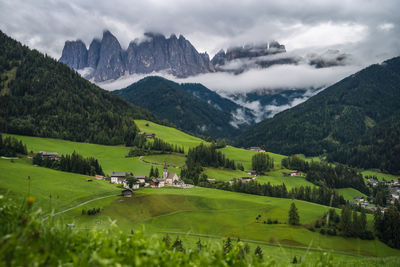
x=393 y=186
x=49 y=155
x=148 y=135
x=168 y=179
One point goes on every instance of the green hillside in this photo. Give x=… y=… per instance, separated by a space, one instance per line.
x=221 y=213
x=170 y=101
x=42 y=97
x=337 y=116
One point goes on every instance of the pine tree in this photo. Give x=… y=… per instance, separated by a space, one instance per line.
x=346 y=224
x=227 y=245
x=294 y=218
x=363 y=221
x=258 y=252
x=156 y=174
x=355 y=224
x=151 y=175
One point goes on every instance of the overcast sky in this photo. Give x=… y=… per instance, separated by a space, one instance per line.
x=369 y=30
x=371 y=26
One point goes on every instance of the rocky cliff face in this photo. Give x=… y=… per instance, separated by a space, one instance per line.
x=156 y=53
x=74 y=54
x=241 y=58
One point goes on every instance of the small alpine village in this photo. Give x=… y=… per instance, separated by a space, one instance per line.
x=200 y=133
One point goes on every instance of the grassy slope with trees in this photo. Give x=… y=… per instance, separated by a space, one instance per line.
x=338 y=116
x=42 y=97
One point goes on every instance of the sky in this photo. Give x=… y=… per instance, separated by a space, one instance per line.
x=368 y=30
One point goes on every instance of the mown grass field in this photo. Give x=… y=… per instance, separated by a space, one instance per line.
x=350 y=193
x=111 y=158
x=221 y=213
x=173 y=158
x=66 y=189
x=380 y=176
x=276 y=177
x=169 y=134
x=224 y=174
x=244 y=156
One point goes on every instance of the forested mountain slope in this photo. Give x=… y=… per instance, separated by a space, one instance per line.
x=177 y=104
x=42 y=97
x=338 y=115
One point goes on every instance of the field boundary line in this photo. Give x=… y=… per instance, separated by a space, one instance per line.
x=79 y=205
x=265 y=243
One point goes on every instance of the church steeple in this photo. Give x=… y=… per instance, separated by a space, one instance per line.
x=165 y=172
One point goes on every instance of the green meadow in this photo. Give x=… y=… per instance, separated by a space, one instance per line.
x=350 y=193
x=111 y=158
x=212 y=212
x=169 y=134
x=380 y=176
x=244 y=156
x=224 y=174
x=276 y=177
x=52 y=190
x=171 y=159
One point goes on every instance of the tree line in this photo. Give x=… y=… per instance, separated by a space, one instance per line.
x=141 y=147
x=10 y=147
x=347 y=224
x=387 y=226
x=321 y=195
x=324 y=174
x=204 y=156
x=70 y=163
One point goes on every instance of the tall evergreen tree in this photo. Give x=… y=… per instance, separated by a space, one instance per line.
x=294 y=218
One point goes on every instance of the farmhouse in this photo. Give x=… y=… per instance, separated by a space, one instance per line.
x=141 y=179
x=148 y=135
x=50 y=155
x=157 y=182
x=245 y=179
x=119 y=177
x=295 y=173
x=258 y=149
x=254 y=173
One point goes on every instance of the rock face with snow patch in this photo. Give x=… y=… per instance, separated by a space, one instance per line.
x=157 y=53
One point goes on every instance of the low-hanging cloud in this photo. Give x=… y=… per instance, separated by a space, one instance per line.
x=272 y=78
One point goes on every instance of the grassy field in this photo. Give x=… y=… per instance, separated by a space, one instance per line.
x=350 y=193
x=66 y=189
x=380 y=176
x=174 y=158
x=224 y=174
x=111 y=158
x=244 y=156
x=276 y=178
x=221 y=213
x=170 y=135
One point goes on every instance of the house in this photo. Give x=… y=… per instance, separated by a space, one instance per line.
x=170 y=177
x=50 y=155
x=157 y=182
x=99 y=177
x=89 y=180
x=258 y=149
x=295 y=173
x=119 y=177
x=141 y=179
x=126 y=193
x=148 y=135
x=359 y=199
x=211 y=180
x=245 y=179
x=134 y=186
x=254 y=173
